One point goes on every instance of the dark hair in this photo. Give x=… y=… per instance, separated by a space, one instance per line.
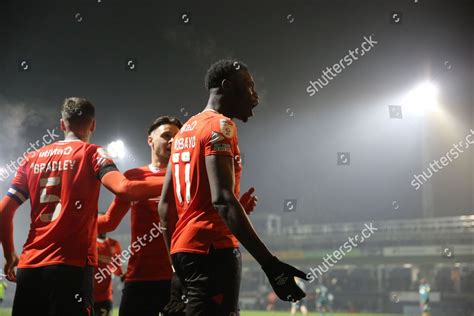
x=221 y=70
x=164 y=120
x=77 y=111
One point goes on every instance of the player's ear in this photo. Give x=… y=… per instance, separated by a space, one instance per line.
x=63 y=125
x=149 y=140
x=93 y=126
x=226 y=85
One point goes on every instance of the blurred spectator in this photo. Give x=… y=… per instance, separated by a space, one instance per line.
x=424 y=291
x=271 y=301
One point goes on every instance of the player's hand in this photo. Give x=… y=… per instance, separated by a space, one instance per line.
x=177 y=304
x=11 y=261
x=249 y=200
x=282 y=280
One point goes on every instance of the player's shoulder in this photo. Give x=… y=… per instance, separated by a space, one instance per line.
x=210 y=117
x=216 y=116
x=94 y=149
x=30 y=156
x=218 y=122
x=223 y=125
x=207 y=124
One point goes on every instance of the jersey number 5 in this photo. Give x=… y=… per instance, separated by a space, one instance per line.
x=46 y=183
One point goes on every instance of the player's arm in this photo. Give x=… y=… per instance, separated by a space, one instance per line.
x=108 y=173
x=167 y=208
x=17 y=194
x=8 y=207
x=168 y=219
x=114 y=215
x=118 y=251
x=220 y=171
x=131 y=190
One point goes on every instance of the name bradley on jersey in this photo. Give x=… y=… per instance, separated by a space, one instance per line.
x=53 y=166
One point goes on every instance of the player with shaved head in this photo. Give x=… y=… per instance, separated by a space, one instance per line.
x=200 y=204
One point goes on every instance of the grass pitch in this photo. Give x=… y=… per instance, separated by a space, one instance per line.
x=7 y=312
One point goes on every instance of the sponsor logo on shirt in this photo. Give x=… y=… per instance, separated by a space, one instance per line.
x=221 y=147
x=56 y=151
x=189 y=126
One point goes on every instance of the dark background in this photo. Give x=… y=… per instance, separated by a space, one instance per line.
x=290 y=146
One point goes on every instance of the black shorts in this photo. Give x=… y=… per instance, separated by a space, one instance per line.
x=212 y=281
x=103 y=308
x=144 y=298
x=55 y=290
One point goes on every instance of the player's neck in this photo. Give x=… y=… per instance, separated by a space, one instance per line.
x=70 y=136
x=216 y=103
x=158 y=164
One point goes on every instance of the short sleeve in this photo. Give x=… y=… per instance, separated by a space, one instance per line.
x=102 y=162
x=19 y=187
x=221 y=137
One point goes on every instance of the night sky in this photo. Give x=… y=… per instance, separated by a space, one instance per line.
x=290 y=147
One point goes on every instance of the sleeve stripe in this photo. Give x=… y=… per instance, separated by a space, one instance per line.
x=19 y=195
x=25 y=193
x=16 y=198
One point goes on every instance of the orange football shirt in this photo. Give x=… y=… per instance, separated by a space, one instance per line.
x=106 y=248
x=149 y=260
x=62 y=181
x=199 y=225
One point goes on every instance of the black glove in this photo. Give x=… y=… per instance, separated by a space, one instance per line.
x=282 y=280
x=178 y=300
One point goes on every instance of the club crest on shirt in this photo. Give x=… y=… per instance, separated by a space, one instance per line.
x=227 y=128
